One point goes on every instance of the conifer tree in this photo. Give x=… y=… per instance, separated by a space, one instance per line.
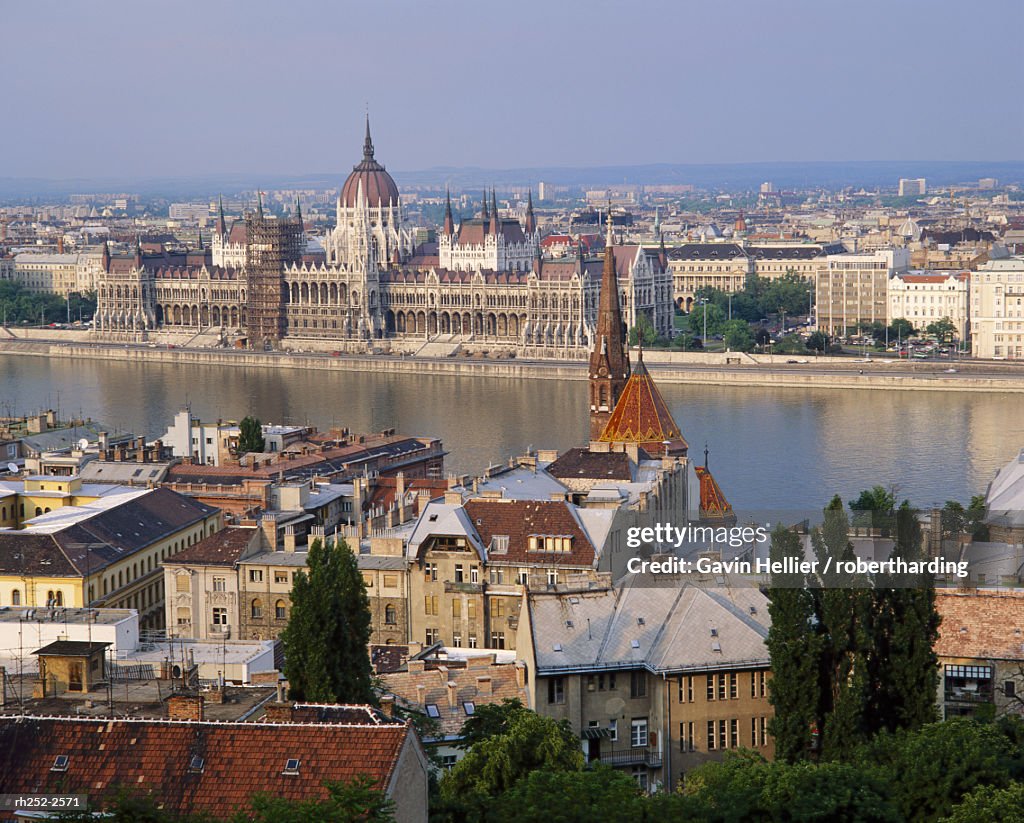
x=795 y=646
x=250 y=436
x=325 y=642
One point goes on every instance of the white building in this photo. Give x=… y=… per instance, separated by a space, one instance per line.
x=925 y=297
x=854 y=289
x=23 y=630
x=997 y=309
x=913 y=186
x=56 y=273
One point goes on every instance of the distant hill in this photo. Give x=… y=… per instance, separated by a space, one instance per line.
x=715 y=176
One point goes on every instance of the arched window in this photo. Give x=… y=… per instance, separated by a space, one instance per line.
x=59 y=600
x=50 y=599
x=389 y=615
x=256 y=609
x=39 y=511
x=280 y=610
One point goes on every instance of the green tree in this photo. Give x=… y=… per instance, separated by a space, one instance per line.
x=644 y=332
x=495 y=764
x=716 y=318
x=795 y=646
x=250 y=436
x=599 y=793
x=975 y=518
x=943 y=330
x=988 y=804
x=738 y=336
x=357 y=801
x=874 y=509
x=954 y=519
x=818 y=341
x=325 y=641
x=490 y=720
x=901 y=328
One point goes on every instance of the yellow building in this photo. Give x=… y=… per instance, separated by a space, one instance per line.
x=68 y=543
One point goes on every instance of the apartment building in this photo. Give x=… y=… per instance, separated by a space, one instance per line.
x=854 y=289
x=924 y=297
x=656 y=679
x=997 y=309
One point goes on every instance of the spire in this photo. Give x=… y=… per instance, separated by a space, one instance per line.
x=105 y=259
x=705 y=455
x=531 y=222
x=483 y=214
x=222 y=226
x=367 y=141
x=662 y=253
x=609 y=361
x=449 y=221
x=494 y=213
x=298 y=213
x=138 y=251
x=657 y=221
x=259 y=203
x=608 y=242
x=200 y=239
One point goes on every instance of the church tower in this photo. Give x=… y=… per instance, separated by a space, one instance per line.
x=609 y=361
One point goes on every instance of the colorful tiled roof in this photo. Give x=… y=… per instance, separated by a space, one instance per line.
x=518 y=520
x=641 y=415
x=981 y=624
x=190 y=766
x=713 y=505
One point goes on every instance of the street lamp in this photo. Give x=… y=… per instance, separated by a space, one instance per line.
x=704 y=302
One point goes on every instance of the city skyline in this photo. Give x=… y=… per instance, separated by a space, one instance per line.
x=572 y=86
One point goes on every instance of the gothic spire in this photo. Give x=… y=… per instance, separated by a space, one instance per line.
x=222 y=226
x=494 y=213
x=449 y=222
x=531 y=222
x=259 y=203
x=483 y=213
x=367 y=141
x=609 y=361
x=298 y=213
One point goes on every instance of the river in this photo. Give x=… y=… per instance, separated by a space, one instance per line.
x=769 y=448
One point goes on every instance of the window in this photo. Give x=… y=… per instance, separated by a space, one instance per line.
x=711 y=736
x=686 y=742
x=721 y=686
x=638 y=684
x=641 y=777
x=456 y=608
x=734 y=734
x=430 y=604
x=469 y=707
x=711 y=687
x=733 y=685
x=219 y=584
x=764 y=731
x=281 y=577
x=291 y=767
x=256 y=609
x=552 y=577
x=391 y=581
x=497 y=640
x=255 y=575
x=474 y=574
x=432 y=710
x=471 y=609
x=389 y=615
x=1010 y=688
x=723 y=741
x=458 y=573
x=556 y=690
x=16 y=597
x=431 y=636
x=448 y=761
x=613 y=728
x=472 y=641
x=638 y=732
x=430 y=571
x=498 y=607
x=280 y=610
x=220 y=616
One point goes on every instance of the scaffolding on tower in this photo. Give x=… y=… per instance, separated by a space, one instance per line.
x=272 y=244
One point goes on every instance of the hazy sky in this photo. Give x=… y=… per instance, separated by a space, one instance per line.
x=185 y=88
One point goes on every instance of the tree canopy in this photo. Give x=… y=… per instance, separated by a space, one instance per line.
x=250 y=436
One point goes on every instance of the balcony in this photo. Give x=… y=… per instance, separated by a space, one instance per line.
x=462 y=588
x=220 y=632
x=633 y=756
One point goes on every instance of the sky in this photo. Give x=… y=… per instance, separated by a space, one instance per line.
x=166 y=89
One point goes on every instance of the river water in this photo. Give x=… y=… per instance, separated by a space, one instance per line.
x=769 y=448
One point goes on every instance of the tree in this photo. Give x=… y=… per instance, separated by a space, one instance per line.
x=954 y=519
x=818 y=341
x=738 y=336
x=490 y=720
x=325 y=641
x=352 y=802
x=795 y=647
x=874 y=509
x=987 y=804
x=901 y=328
x=599 y=793
x=976 y=517
x=716 y=317
x=644 y=332
x=495 y=764
x=943 y=330
x=250 y=436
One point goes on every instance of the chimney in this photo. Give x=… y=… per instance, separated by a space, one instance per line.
x=483 y=685
x=387 y=705
x=415 y=666
x=422 y=499
x=104 y=441
x=357 y=504
x=289 y=539
x=158 y=450
x=400 y=495
x=269 y=525
x=453 y=694
x=185 y=707
x=521 y=675
x=453 y=498
x=280 y=712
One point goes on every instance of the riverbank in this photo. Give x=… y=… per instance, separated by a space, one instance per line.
x=703 y=369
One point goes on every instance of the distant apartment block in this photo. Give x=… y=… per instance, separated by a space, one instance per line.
x=912 y=186
x=191 y=212
x=854 y=289
x=997 y=309
x=925 y=297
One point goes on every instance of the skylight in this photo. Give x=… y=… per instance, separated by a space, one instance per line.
x=292 y=766
x=60 y=763
x=197 y=763
x=432 y=710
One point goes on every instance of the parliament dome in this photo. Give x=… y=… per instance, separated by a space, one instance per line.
x=379 y=188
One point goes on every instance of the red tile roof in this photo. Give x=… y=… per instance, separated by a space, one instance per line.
x=981 y=624
x=519 y=520
x=223 y=548
x=153 y=757
x=641 y=415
